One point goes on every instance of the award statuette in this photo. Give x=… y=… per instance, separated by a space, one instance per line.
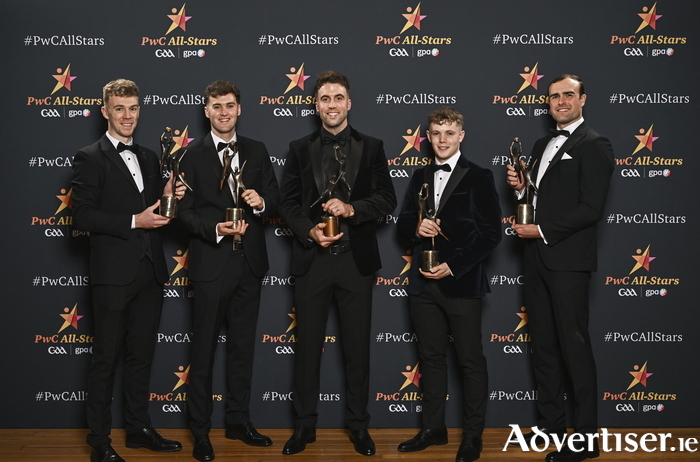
x=170 y=162
x=234 y=214
x=430 y=258
x=332 y=227
x=526 y=211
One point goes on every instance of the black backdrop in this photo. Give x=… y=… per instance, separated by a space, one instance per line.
x=640 y=73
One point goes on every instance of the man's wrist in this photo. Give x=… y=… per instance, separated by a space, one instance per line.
x=352 y=211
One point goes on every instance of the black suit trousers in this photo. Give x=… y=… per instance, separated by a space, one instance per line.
x=557 y=307
x=234 y=298
x=434 y=318
x=126 y=318
x=332 y=276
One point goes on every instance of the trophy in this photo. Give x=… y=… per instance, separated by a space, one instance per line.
x=234 y=214
x=430 y=258
x=332 y=227
x=170 y=162
x=526 y=211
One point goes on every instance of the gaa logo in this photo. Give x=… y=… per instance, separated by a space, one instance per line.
x=284 y=350
x=633 y=52
x=53 y=232
x=398 y=408
x=171 y=408
x=627 y=292
x=396 y=173
x=283 y=112
x=512 y=349
x=50 y=113
x=630 y=173
x=161 y=53
x=515 y=111
x=57 y=350
x=398 y=293
x=398 y=52
x=170 y=293
x=283 y=232
x=624 y=407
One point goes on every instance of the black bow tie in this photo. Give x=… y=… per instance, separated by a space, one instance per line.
x=339 y=139
x=435 y=167
x=559 y=132
x=123 y=147
x=221 y=146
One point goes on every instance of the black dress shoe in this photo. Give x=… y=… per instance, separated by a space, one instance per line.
x=300 y=438
x=248 y=434
x=104 y=453
x=203 y=450
x=527 y=437
x=149 y=438
x=425 y=437
x=469 y=450
x=569 y=455
x=363 y=442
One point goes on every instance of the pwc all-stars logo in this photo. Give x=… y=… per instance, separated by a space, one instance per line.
x=640 y=275
x=411 y=154
x=52 y=224
x=647 y=23
x=403 y=400
x=639 y=388
x=525 y=93
x=643 y=155
x=66 y=340
x=177 y=36
x=292 y=96
x=410 y=42
x=517 y=340
x=61 y=87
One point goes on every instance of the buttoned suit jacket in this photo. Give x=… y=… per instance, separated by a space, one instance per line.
x=470 y=217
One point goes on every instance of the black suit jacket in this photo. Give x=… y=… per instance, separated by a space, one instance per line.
x=201 y=210
x=372 y=197
x=470 y=217
x=571 y=199
x=105 y=197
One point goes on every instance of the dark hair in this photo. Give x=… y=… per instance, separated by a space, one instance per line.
x=561 y=77
x=444 y=115
x=221 y=88
x=331 y=77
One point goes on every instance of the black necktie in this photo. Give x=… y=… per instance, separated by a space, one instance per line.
x=123 y=147
x=559 y=132
x=230 y=150
x=435 y=167
x=339 y=139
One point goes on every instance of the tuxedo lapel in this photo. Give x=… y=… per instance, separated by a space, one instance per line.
x=212 y=156
x=316 y=159
x=354 y=158
x=429 y=179
x=112 y=154
x=572 y=141
x=455 y=178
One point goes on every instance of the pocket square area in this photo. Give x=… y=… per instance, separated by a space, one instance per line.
x=566 y=157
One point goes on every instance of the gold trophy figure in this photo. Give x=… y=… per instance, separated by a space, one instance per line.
x=526 y=211
x=170 y=162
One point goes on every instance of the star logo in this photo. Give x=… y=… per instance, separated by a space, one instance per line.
x=640 y=375
x=643 y=259
x=523 y=319
x=64 y=79
x=412 y=376
x=70 y=318
x=531 y=77
x=413 y=18
x=182 y=260
x=297 y=78
x=179 y=19
x=413 y=140
x=293 y=324
x=649 y=18
x=646 y=140
x=407 y=266
x=66 y=199
x=183 y=377
x=181 y=141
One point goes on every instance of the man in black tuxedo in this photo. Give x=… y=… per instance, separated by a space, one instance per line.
x=462 y=217
x=573 y=171
x=226 y=264
x=354 y=167
x=116 y=190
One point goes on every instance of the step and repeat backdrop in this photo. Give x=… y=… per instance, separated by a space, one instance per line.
x=491 y=60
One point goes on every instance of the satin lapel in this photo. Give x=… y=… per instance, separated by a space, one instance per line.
x=429 y=178
x=212 y=156
x=114 y=156
x=316 y=159
x=573 y=139
x=452 y=183
x=354 y=160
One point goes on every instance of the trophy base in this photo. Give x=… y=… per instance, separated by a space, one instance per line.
x=431 y=258
x=168 y=207
x=235 y=215
x=332 y=227
x=526 y=214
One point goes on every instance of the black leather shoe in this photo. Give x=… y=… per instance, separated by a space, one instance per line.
x=300 y=438
x=425 y=437
x=203 y=450
x=248 y=434
x=469 y=450
x=104 y=453
x=527 y=437
x=149 y=438
x=363 y=442
x=569 y=455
